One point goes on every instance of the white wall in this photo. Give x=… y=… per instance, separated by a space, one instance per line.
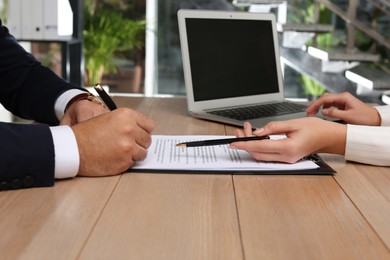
x=151 y=48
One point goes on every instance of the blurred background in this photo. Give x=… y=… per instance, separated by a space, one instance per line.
x=133 y=47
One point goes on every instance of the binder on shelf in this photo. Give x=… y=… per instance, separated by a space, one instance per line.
x=40 y=19
x=58 y=20
x=65 y=18
x=26 y=18
x=14 y=21
x=37 y=19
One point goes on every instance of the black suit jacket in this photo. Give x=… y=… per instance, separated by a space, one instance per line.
x=29 y=90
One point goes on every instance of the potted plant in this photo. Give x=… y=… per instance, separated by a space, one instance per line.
x=107 y=33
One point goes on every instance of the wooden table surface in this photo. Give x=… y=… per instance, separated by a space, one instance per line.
x=205 y=216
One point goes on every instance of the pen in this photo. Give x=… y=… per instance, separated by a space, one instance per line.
x=105 y=97
x=221 y=141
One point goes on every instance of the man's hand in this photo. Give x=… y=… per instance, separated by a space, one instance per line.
x=110 y=143
x=80 y=111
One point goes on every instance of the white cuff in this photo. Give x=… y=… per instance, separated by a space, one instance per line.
x=67 y=159
x=384 y=112
x=63 y=100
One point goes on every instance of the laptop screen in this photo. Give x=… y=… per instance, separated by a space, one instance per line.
x=231 y=58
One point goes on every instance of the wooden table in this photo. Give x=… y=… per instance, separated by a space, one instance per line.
x=189 y=216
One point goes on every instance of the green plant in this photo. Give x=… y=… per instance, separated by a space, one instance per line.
x=302 y=11
x=311 y=87
x=107 y=33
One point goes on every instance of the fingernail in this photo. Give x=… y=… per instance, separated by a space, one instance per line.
x=258 y=131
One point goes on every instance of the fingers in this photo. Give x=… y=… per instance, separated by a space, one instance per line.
x=260 y=146
x=276 y=128
x=327 y=100
x=142 y=141
x=270 y=150
x=136 y=142
x=239 y=133
x=140 y=128
x=272 y=128
x=145 y=122
x=281 y=150
x=139 y=132
x=314 y=107
x=246 y=132
x=248 y=129
x=334 y=112
x=139 y=153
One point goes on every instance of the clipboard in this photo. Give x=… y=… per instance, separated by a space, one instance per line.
x=165 y=156
x=323 y=169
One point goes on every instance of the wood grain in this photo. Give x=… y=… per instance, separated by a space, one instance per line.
x=52 y=223
x=368 y=188
x=302 y=217
x=168 y=216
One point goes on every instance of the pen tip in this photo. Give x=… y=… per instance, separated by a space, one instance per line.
x=181 y=145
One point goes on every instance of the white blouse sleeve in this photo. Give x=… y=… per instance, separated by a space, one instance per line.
x=384 y=112
x=368 y=144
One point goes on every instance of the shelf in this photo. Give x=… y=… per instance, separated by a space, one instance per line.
x=316 y=28
x=369 y=76
x=340 y=54
x=302 y=62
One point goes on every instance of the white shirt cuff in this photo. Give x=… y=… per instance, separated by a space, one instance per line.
x=384 y=112
x=63 y=100
x=66 y=152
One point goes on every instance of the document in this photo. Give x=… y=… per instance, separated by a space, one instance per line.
x=163 y=154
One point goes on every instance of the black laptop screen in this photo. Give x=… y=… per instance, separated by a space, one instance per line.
x=231 y=58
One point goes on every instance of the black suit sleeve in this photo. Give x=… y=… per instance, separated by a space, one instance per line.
x=27 y=156
x=29 y=90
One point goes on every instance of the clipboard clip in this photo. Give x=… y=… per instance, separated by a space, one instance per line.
x=312 y=157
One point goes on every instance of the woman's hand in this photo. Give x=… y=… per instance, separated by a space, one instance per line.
x=304 y=136
x=346 y=107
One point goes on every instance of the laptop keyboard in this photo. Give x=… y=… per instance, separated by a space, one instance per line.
x=259 y=111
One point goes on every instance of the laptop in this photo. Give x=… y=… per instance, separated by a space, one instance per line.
x=232 y=68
